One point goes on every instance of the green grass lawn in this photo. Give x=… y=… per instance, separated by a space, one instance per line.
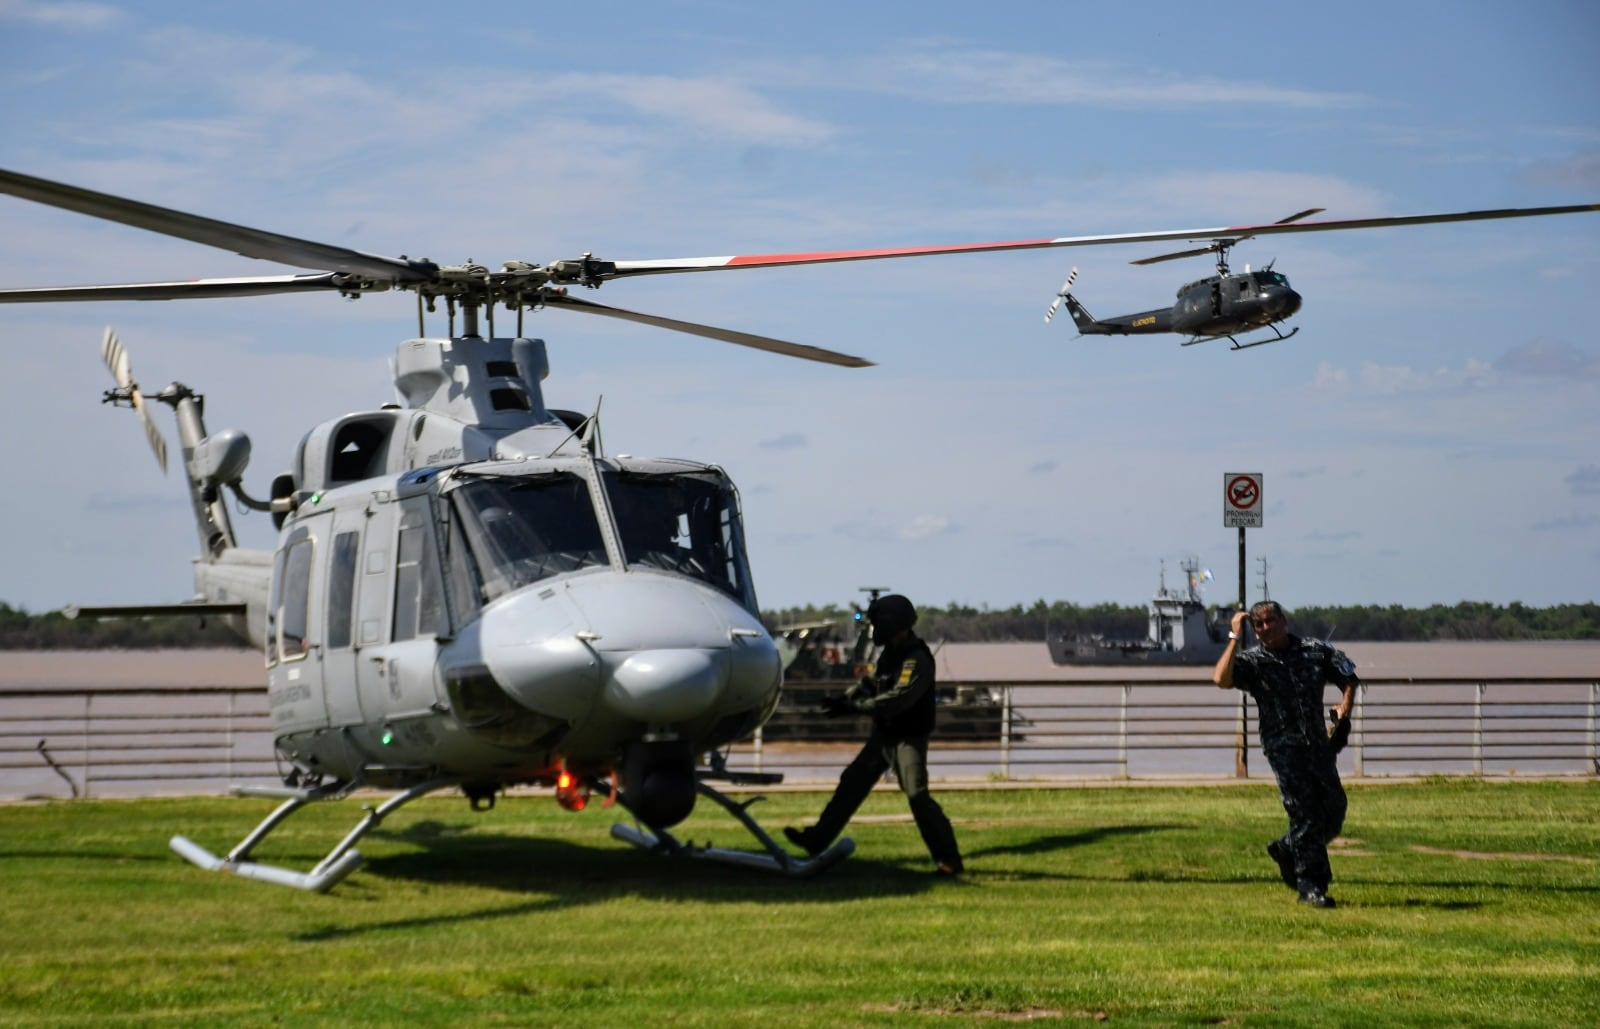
x=1462 y=903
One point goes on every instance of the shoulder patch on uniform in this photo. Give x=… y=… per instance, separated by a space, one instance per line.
x=907 y=670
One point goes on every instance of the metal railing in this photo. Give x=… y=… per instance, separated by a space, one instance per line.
x=97 y=742
x=1049 y=730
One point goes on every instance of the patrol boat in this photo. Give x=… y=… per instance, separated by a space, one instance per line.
x=1182 y=632
x=822 y=659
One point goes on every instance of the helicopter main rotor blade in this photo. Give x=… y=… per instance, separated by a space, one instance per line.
x=623 y=269
x=193 y=289
x=1223 y=244
x=248 y=242
x=744 y=339
x=1196 y=252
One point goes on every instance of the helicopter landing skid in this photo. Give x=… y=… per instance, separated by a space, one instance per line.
x=1277 y=337
x=331 y=870
x=776 y=859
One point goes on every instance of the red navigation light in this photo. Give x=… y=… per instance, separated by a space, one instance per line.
x=570 y=792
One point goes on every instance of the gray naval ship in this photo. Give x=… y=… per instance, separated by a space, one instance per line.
x=1182 y=632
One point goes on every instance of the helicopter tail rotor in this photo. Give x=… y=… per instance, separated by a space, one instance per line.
x=127 y=392
x=1061 y=294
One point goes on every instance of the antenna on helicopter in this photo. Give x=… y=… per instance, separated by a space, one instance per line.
x=585 y=430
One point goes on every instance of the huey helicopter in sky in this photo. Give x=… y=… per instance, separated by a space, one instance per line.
x=468 y=592
x=1229 y=303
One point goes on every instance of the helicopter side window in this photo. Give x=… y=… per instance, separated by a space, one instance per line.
x=416 y=578
x=342 y=588
x=681 y=523
x=359 y=451
x=296 y=597
x=466 y=591
x=522 y=529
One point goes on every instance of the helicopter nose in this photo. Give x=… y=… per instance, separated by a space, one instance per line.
x=1282 y=303
x=642 y=648
x=660 y=687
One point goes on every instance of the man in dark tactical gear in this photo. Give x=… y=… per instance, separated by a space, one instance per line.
x=899 y=695
x=1286 y=675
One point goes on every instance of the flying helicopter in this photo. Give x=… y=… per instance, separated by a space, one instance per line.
x=1227 y=304
x=468 y=592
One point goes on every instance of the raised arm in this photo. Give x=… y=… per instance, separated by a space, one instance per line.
x=1222 y=675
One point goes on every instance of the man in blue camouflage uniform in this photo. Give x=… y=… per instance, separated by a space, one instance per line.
x=1286 y=675
x=899 y=695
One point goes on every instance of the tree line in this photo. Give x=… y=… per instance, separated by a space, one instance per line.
x=1468 y=620
x=53 y=630
x=955 y=623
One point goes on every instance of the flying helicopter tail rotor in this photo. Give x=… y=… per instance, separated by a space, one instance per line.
x=127 y=391
x=1061 y=294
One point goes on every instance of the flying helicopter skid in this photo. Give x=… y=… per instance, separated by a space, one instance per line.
x=1278 y=336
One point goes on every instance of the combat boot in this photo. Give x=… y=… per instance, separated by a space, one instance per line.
x=1278 y=851
x=804 y=839
x=1317 y=898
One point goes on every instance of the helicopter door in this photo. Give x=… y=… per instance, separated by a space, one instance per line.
x=396 y=676
x=346 y=628
x=294 y=675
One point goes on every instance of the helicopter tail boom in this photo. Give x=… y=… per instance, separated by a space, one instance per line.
x=230 y=582
x=1145 y=322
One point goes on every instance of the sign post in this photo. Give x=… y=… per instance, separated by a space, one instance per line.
x=1241 y=508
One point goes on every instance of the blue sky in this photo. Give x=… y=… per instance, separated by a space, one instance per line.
x=1431 y=435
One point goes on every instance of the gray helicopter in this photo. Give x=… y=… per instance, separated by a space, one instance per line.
x=467 y=592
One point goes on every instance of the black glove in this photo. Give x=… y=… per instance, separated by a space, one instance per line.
x=840 y=706
x=1338 y=730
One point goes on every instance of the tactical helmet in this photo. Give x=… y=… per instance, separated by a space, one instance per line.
x=891 y=613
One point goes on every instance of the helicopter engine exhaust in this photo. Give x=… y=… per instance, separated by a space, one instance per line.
x=658 y=783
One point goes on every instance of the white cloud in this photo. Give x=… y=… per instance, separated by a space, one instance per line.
x=1331 y=378
x=61 y=15
x=954 y=74
x=719 y=106
x=1379 y=378
x=926 y=526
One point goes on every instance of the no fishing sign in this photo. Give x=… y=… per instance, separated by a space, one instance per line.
x=1241 y=500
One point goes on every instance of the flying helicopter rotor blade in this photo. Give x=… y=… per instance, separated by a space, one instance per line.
x=250 y=286
x=1061 y=294
x=248 y=242
x=116 y=359
x=1223 y=244
x=1181 y=253
x=676 y=265
x=745 y=339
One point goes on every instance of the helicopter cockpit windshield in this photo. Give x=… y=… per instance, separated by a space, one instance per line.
x=521 y=529
x=684 y=522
